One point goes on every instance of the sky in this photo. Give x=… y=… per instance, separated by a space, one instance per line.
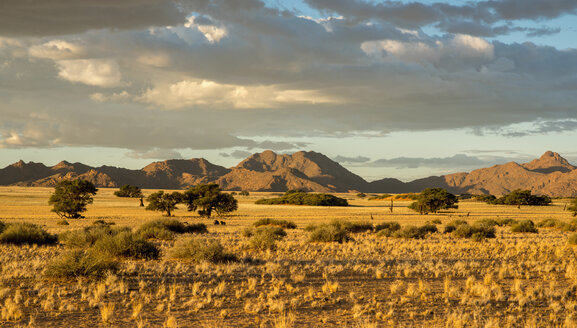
x=386 y=88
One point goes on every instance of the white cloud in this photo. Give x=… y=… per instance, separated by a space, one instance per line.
x=213 y=33
x=57 y=50
x=98 y=72
x=155 y=153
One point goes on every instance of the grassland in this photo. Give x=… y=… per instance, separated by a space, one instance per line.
x=513 y=280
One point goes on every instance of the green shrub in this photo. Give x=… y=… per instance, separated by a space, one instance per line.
x=354 y=227
x=520 y=197
x=200 y=250
x=413 y=232
x=506 y=222
x=436 y=221
x=361 y=195
x=165 y=229
x=524 y=226
x=102 y=222
x=278 y=223
x=26 y=233
x=549 y=223
x=453 y=225
x=387 y=229
x=572 y=239
x=303 y=198
x=477 y=231
x=328 y=233
x=63 y=222
x=88 y=236
x=379 y=197
x=81 y=263
x=127 y=244
x=264 y=237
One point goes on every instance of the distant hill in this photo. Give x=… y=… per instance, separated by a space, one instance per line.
x=550 y=174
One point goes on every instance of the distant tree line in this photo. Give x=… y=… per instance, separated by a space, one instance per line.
x=299 y=197
x=517 y=197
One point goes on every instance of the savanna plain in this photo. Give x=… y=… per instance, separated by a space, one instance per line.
x=517 y=279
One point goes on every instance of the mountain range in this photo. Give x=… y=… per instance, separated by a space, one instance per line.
x=550 y=174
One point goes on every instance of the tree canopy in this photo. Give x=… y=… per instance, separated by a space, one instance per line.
x=129 y=191
x=71 y=197
x=431 y=200
x=298 y=197
x=164 y=202
x=517 y=197
x=207 y=198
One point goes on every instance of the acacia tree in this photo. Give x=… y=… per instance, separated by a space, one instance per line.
x=431 y=200
x=520 y=197
x=164 y=202
x=70 y=198
x=129 y=191
x=208 y=198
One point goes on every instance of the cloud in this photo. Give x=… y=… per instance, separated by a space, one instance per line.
x=238 y=154
x=98 y=72
x=351 y=160
x=281 y=145
x=63 y=17
x=154 y=154
x=539 y=128
x=459 y=160
x=57 y=50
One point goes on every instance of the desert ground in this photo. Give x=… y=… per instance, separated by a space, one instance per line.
x=513 y=280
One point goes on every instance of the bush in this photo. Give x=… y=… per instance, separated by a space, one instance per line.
x=413 y=232
x=328 y=233
x=453 y=225
x=387 y=229
x=520 y=197
x=2 y=226
x=524 y=226
x=88 y=236
x=165 y=229
x=477 y=231
x=354 y=227
x=361 y=195
x=81 y=264
x=200 y=250
x=26 y=233
x=506 y=222
x=63 y=222
x=380 y=197
x=549 y=223
x=244 y=193
x=436 y=221
x=278 y=223
x=572 y=239
x=302 y=198
x=264 y=238
x=127 y=244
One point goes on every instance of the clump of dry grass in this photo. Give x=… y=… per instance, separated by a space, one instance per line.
x=387 y=229
x=264 y=238
x=524 y=226
x=88 y=236
x=200 y=250
x=328 y=233
x=285 y=224
x=166 y=229
x=127 y=244
x=413 y=232
x=26 y=233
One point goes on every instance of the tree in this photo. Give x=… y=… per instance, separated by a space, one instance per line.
x=70 y=198
x=164 y=202
x=129 y=191
x=573 y=207
x=520 y=197
x=431 y=200
x=208 y=198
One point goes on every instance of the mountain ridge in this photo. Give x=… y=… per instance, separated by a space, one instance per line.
x=551 y=174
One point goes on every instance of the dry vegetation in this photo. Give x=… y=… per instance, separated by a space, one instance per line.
x=229 y=278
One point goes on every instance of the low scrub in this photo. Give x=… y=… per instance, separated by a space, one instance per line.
x=572 y=239
x=453 y=225
x=413 y=232
x=328 y=233
x=128 y=245
x=26 y=233
x=88 y=236
x=285 y=224
x=166 y=229
x=263 y=238
x=477 y=231
x=380 y=197
x=559 y=225
x=387 y=229
x=303 y=198
x=524 y=226
x=200 y=250
x=81 y=263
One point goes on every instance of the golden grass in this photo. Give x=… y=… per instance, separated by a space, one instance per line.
x=514 y=280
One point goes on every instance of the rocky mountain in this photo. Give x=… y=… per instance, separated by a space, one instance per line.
x=551 y=174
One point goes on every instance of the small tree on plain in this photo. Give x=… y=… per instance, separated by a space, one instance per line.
x=129 y=191
x=70 y=198
x=208 y=198
x=431 y=200
x=164 y=202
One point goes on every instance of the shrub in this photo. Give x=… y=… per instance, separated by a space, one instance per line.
x=165 y=229
x=200 y=250
x=278 y=223
x=102 y=223
x=506 y=222
x=380 y=197
x=436 y=221
x=572 y=239
x=520 y=197
x=361 y=195
x=127 y=244
x=328 y=233
x=81 y=263
x=62 y=222
x=354 y=227
x=88 y=236
x=2 y=226
x=244 y=193
x=453 y=225
x=26 y=233
x=477 y=231
x=387 y=229
x=265 y=237
x=303 y=198
x=413 y=232
x=524 y=226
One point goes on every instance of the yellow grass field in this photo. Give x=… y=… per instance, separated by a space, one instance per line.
x=513 y=280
